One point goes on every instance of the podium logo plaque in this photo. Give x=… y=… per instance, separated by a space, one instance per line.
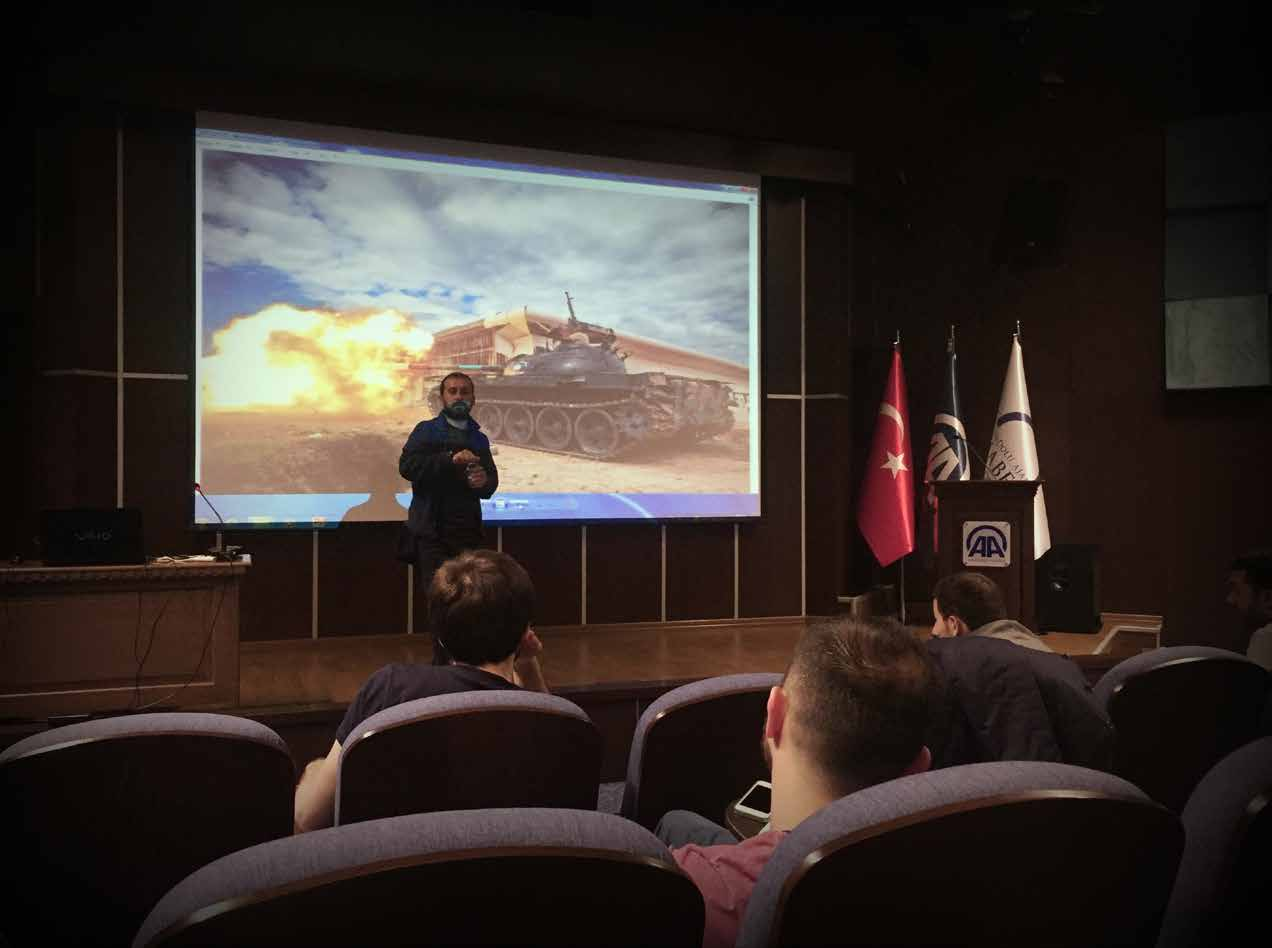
x=986 y=543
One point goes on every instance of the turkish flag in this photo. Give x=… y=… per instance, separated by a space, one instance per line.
x=885 y=509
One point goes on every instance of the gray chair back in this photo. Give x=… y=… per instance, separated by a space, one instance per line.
x=99 y=819
x=1225 y=878
x=473 y=750
x=698 y=748
x=471 y=877
x=1178 y=711
x=995 y=854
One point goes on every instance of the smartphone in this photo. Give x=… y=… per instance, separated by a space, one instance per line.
x=758 y=801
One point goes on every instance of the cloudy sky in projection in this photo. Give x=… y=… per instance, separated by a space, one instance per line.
x=450 y=249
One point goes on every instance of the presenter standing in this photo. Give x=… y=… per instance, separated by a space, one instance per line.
x=448 y=462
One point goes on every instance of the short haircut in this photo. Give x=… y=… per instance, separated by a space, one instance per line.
x=860 y=694
x=441 y=386
x=479 y=605
x=1257 y=566
x=973 y=597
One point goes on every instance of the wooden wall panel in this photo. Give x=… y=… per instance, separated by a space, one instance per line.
x=158 y=247
x=827 y=275
x=828 y=494
x=700 y=571
x=362 y=589
x=78 y=237
x=553 y=556
x=780 y=361
x=157 y=452
x=769 y=557
x=624 y=573
x=77 y=418
x=277 y=597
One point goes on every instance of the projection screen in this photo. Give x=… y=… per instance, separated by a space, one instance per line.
x=607 y=311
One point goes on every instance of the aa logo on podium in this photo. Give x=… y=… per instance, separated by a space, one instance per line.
x=986 y=543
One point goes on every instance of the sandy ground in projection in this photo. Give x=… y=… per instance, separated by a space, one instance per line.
x=260 y=452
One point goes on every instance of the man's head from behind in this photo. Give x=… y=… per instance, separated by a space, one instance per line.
x=1250 y=588
x=963 y=602
x=851 y=711
x=479 y=607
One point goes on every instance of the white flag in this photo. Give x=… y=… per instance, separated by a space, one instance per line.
x=1013 y=455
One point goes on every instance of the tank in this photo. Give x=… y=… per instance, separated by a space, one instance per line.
x=577 y=397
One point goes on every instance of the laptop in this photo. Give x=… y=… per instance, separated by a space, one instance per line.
x=92 y=537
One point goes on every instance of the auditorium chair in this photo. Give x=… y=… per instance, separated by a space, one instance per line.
x=698 y=747
x=473 y=877
x=98 y=819
x=1007 y=853
x=1225 y=878
x=468 y=751
x=1178 y=711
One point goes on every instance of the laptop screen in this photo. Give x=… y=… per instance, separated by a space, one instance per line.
x=92 y=537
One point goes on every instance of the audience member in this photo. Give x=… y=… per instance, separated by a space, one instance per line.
x=1250 y=593
x=972 y=604
x=849 y=713
x=1000 y=694
x=480 y=605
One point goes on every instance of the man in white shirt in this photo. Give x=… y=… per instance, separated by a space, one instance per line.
x=1250 y=593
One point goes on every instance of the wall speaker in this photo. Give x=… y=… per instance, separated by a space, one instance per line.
x=1067 y=585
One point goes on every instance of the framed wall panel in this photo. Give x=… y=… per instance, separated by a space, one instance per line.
x=157 y=246
x=553 y=556
x=157 y=464
x=779 y=325
x=77 y=200
x=77 y=418
x=700 y=571
x=827 y=274
x=624 y=573
x=827 y=496
x=277 y=595
x=769 y=558
x=361 y=587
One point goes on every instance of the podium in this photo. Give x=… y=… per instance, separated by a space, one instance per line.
x=987 y=527
x=93 y=639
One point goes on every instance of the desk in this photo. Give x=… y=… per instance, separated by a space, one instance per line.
x=84 y=639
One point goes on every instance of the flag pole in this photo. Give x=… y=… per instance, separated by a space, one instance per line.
x=903 y=590
x=896 y=344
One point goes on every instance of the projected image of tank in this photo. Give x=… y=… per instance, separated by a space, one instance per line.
x=578 y=398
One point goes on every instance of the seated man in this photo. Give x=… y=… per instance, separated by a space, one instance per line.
x=1250 y=593
x=997 y=700
x=479 y=609
x=850 y=713
x=972 y=604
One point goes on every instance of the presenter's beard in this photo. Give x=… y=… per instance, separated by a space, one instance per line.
x=457 y=410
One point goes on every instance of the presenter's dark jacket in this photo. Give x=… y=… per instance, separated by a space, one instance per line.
x=442 y=503
x=1000 y=701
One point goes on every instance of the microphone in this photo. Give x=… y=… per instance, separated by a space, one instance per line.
x=229 y=553
x=199 y=490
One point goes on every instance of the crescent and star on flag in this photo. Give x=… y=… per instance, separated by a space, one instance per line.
x=895 y=462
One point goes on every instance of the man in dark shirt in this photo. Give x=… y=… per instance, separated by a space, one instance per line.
x=447 y=459
x=480 y=605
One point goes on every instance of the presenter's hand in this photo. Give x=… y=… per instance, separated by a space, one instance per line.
x=464 y=457
x=476 y=475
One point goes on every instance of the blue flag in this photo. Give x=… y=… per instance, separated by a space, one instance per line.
x=947 y=451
